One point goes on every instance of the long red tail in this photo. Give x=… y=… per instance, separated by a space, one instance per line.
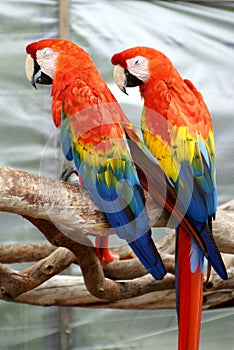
x=189 y=291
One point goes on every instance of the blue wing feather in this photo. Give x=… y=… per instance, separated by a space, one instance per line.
x=199 y=196
x=121 y=201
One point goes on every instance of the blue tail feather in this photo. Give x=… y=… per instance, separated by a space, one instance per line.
x=145 y=250
x=213 y=254
x=124 y=206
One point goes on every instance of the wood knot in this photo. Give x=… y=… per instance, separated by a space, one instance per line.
x=48 y=269
x=6 y=295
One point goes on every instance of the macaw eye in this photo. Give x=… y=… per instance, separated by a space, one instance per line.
x=139 y=67
x=138 y=60
x=46 y=51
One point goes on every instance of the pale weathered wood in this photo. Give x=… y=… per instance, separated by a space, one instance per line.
x=18 y=253
x=46 y=202
x=70 y=291
x=68 y=206
x=14 y=283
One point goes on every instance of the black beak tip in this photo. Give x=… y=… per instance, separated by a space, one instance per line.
x=124 y=90
x=33 y=83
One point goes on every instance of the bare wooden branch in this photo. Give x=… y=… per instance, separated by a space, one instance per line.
x=92 y=271
x=223 y=231
x=132 y=268
x=65 y=214
x=69 y=207
x=71 y=291
x=90 y=266
x=39 y=197
x=17 y=253
x=14 y=283
x=66 y=205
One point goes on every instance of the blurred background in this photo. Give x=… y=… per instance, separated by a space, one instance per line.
x=198 y=38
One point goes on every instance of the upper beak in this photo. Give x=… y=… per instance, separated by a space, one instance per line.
x=120 y=78
x=31 y=70
x=124 y=78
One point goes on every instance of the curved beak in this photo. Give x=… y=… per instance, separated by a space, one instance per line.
x=120 y=78
x=31 y=70
x=124 y=78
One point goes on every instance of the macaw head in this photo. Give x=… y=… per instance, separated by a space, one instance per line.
x=137 y=66
x=56 y=62
x=48 y=56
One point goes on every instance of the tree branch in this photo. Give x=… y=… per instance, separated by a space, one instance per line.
x=65 y=215
x=18 y=253
x=90 y=266
x=67 y=205
x=70 y=207
x=71 y=291
x=92 y=271
x=14 y=283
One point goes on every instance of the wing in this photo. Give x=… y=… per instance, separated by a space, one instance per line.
x=180 y=136
x=96 y=140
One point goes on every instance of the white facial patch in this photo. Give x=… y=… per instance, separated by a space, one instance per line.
x=46 y=59
x=139 y=67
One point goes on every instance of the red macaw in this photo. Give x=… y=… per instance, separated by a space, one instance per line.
x=177 y=129
x=93 y=136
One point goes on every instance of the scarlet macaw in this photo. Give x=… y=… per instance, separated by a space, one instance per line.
x=177 y=129
x=93 y=136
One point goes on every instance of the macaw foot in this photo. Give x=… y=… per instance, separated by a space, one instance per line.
x=103 y=252
x=67 y=172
